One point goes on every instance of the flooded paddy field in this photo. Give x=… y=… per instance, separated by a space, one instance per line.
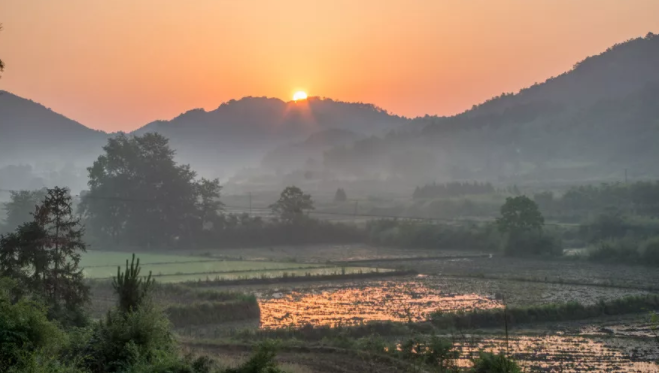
x=411 y=299
x=355 y=304
x=556 y=353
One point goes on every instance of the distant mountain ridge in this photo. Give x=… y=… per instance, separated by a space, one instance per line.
x=592 y=122
x=603 y=110
x=30 y=131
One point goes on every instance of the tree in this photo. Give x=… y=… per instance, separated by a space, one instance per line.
x=520 y=214
x=208 y=202
x=292 y=204
x=44 y=256
x=131 y=289
x=340 y=195
x=21 y=205
x=521 y=223
x=141 y=196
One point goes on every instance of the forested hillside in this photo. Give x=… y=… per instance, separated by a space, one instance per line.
x=590 y=123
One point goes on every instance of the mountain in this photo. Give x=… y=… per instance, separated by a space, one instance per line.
x=590 y=123
x=240 y=132
x=295 y=156
x=33 y=133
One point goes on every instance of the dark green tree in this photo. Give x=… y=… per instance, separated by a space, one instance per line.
x=208 y=202
x=131 y=289
x=44 y=256
x=340 y=195
x=520 y=214
x=292 y=205
x=522 y=224
x=140 y=195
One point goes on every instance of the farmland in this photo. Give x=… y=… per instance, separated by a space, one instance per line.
x=180 y=268
x=323 y=314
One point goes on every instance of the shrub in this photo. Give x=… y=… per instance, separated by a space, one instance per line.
x=25 y=333
x=491 y=363
x=126 y=339
x=262 y=361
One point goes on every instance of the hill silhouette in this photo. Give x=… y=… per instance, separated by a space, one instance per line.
x=31 y=132
x=591 y=122
x=240 y=132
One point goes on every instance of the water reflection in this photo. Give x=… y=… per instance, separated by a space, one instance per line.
x=568 y=354
x=393 y=301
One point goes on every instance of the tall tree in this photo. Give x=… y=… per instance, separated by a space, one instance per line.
x=520 y=214
x=292 y=204
x=140 y=195
x=340 y=195
x=44 y=256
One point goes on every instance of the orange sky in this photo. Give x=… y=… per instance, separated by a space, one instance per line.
x=116 y=65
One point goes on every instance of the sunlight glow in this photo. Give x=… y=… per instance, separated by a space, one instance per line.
x=299 y=95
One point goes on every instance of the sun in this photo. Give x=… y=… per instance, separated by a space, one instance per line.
x=300 y=95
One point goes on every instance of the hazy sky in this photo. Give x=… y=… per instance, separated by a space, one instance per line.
x=116 y=65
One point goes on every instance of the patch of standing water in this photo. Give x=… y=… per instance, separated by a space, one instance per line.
x=385 y=301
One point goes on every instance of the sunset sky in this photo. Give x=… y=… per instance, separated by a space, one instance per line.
x=117 y=65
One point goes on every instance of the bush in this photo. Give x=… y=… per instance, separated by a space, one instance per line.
x=125 y=339
x=262 y=361
x=491 y=363
x=26 y=335
x=392 y=232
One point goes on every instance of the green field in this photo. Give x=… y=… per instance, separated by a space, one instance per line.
x=180 y=268
x=113 y=258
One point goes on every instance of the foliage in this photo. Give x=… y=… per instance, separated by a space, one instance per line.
x=434 y=352
x=44 y=255
x=292 y=205
x=453 y=189
x=245 y=230
x=125 y=339
x=131 y=289
x=491 y=363
x=21 y=206
x=521 y=222
x=628 y=250
x=140 y=196
x=261 y=361
x=340 y=195
x=401 y=233
x=520 y=214
x=24 y=330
